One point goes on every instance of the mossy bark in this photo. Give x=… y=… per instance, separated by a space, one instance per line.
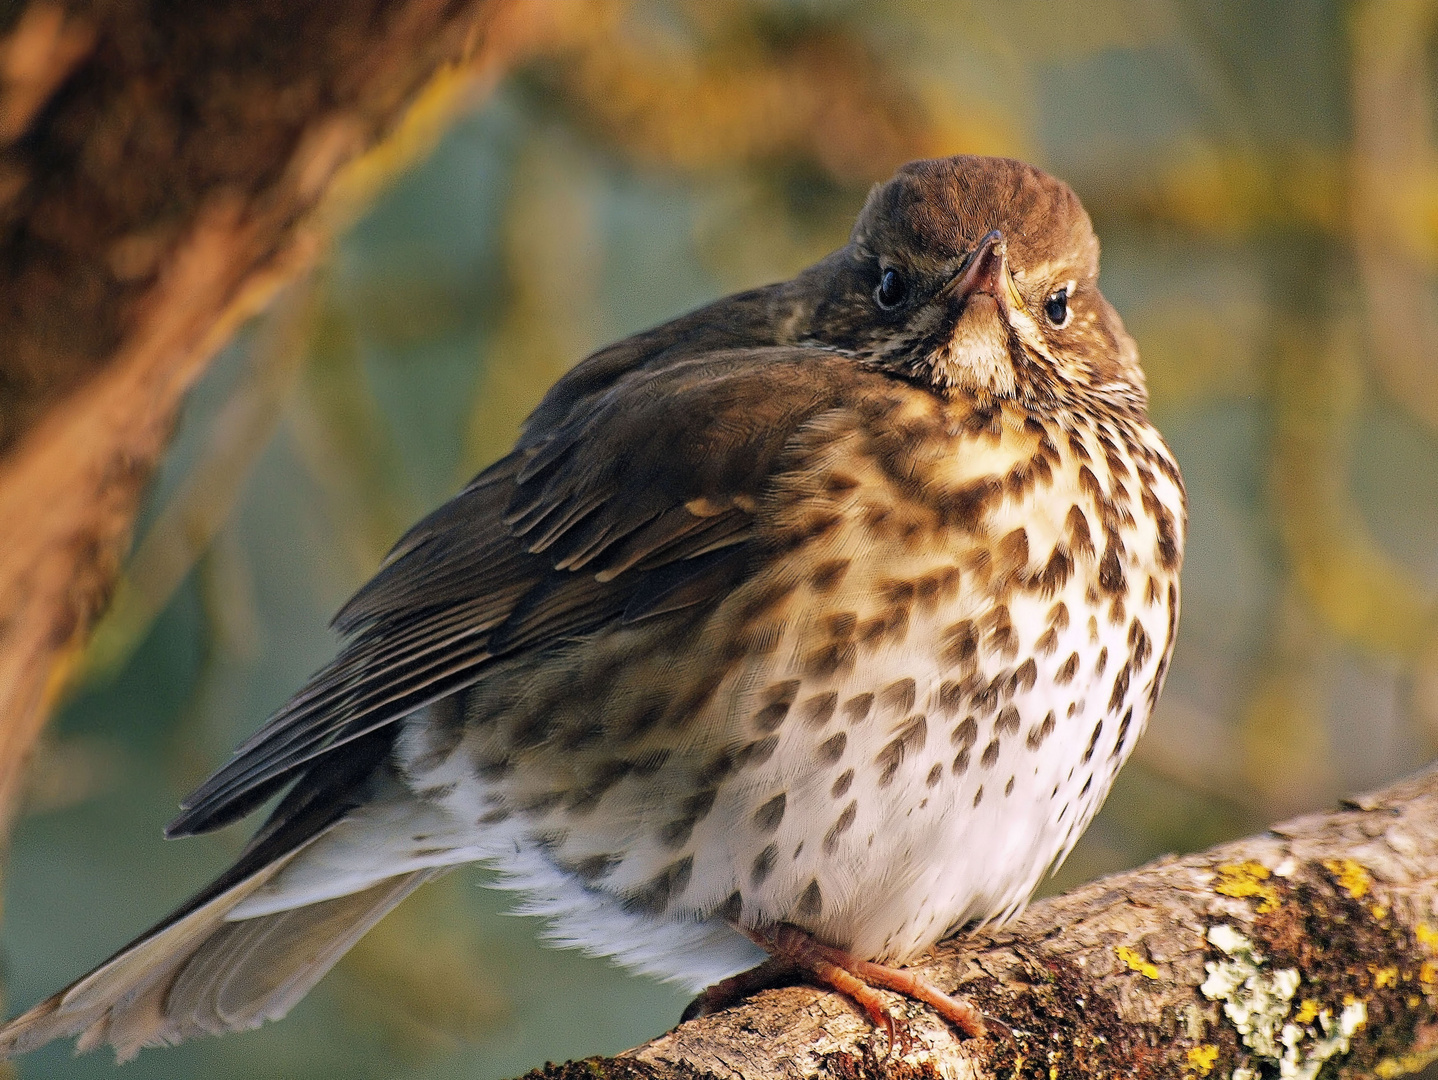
x=1327 y=924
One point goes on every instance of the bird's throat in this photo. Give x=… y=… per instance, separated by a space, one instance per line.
x=976 y=356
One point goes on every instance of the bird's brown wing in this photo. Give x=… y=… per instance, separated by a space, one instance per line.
x=636 y=495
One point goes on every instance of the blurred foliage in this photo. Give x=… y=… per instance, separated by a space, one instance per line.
x=1264 y=176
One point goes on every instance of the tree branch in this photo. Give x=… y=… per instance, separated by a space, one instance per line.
x=1317 y=940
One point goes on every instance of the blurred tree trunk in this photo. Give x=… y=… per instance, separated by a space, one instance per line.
x=163 y=170
x=1312 y=946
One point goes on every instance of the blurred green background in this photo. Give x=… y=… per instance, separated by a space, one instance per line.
x=1264 y=179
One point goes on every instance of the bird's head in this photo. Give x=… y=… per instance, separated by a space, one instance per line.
x=976 y=275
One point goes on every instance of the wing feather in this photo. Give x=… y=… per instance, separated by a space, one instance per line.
x=640 y=497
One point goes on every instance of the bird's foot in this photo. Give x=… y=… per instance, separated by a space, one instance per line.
x=791 y=949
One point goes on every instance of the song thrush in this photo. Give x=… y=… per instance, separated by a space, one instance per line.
x=819 y=618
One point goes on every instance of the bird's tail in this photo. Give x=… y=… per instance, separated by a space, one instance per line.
x=201 y=973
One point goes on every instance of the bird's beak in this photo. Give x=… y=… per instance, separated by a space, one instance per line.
x=987 y=272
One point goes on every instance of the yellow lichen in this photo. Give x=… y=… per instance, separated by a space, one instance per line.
x=1247 y=879
x=1428 y=973
x=1383 y=976
x=1380 y=912
x=1427 y=936
x=1307 y=1010
x=1352 y=878
x=1203 y=1058
x=1136 y=962
x=1403 y=1066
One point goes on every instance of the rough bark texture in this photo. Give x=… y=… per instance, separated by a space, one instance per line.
x=1146 y=973
x=161 y=171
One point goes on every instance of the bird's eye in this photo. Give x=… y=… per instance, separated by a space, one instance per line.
x=1056 y=307
x=892 y=290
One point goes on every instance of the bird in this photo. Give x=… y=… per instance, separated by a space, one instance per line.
x=792 y=636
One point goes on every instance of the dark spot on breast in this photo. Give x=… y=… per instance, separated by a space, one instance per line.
x=811 y=901
x=1014 y=551
x=936 y=585
x=1067 y=670
x=1002 y=638
x=585 y=797
x=979 y=563
x=595 y=867
x=1040 y=732
x=1093 y=742
x=830 y=659
x=1008 y=722
x=990 y=755
x=1123 y=727
x=1089 y=485
x=897 y=593
x=668 y=884
x=1048 y=641
x=909 y=740
x=892 y=625
x=1059 y=616
x=898 y=697
x=837 y=650
x=827 y=575
x=1110 y=572
x=756 y=753
x=986 y=698
x=935 y=774
x=964 y=508
x=857 y=707
x=951 y=696
x=768 y=816
x=1120 y=688
x=493 y=817
x=1116 y=611
x=979 y=796
x=961 y=643
x=692 y=811
x=842 y=784
x=841 y=826
x=763 y=863
x=966 y=733
x=1009 y=787
x=771 y=716
x=718 y=767
x=1021 y=476
x=1139 y=647
x=1055 y=573
x=961 y=761
x=817 y=710
x=777 y=700
x=1026 y=675
x=832 y=749
x=1101 y=662
x=732 y=908
x=762 y=601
